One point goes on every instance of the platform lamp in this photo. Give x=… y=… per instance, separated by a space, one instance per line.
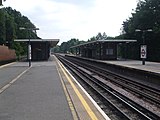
x=1 y=2
x=29 y=42
x=143 y=46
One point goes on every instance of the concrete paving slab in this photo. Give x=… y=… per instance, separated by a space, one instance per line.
x=149 y=66
x=37 y=95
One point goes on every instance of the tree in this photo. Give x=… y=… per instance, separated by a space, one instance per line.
x=104 y=36
x=10 y=30
x=2 y=27
x=56 y=49
x=14 y=21
x=146 y=16
x=99 y=36
x=92 y=39
x=10 y=22
x=65 y=46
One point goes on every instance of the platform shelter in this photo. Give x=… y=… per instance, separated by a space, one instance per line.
x=100 y=49
x=40 y=48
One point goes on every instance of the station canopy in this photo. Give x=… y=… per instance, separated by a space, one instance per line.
x=104 y=41
x=53 y=42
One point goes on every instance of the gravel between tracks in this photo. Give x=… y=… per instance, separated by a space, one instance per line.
x=145 y=104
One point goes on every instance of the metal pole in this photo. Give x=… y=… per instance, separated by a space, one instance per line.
x=29 y=42
x=29 y=49
x=143 y=38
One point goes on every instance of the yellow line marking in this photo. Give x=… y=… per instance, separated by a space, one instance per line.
x=86 y=106
x=7 y=64
x=74 y=114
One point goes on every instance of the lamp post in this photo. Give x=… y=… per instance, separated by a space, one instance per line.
x=29 y=42
x=1 y=2
x=143 y=46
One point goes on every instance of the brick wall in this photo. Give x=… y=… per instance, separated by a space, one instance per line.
x=6 y=54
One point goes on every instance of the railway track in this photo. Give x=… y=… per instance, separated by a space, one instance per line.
x=115 y=105
x=147 y=93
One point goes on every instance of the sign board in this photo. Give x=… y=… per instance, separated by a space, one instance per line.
x=29 y=52
x=143 y=51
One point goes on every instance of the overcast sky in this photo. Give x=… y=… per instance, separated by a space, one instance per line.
x=82 y=19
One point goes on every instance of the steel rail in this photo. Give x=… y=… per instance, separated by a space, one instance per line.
x=111 y=76
x=121 y=115
x=146 y=117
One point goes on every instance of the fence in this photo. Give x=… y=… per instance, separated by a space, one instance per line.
x=7 y=54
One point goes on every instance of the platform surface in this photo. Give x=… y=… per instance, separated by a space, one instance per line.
x=36 y=95
x=149 y=66
x=137 y=64
x=42 y=92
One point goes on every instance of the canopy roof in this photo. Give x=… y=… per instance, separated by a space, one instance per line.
x=104 y=41
x=53 y=42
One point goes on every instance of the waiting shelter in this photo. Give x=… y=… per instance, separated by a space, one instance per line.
x=100 y=49
x=40 y=48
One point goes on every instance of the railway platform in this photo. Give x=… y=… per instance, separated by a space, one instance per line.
x=44 y=91
x=153 y=67
x=149 y=66
x=135 y=66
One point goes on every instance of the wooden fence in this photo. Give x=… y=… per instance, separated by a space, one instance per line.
x=7 y=54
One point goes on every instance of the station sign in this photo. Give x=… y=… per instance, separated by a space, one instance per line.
x=29 y=52
x=143 y=51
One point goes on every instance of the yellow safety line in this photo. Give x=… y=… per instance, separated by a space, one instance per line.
x=86 y=106
x=74 y=114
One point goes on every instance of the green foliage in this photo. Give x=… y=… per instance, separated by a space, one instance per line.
x=2 y=27
x=10 y=30
x=92 y=39
x=21 y=21
x=100 y=36
x=65 y=46
x=56 y=49
x=146 y=16
x=10 y=22
x=18 y=48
